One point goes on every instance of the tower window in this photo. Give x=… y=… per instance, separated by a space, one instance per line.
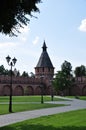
x=43 y=69
x=49 y=69
x=38 y=70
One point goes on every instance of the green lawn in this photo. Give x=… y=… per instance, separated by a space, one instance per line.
x=80 y=97
x=26 y=107
x=27 y=98
x=83 y=97
x=74 y=120
x=25 y=103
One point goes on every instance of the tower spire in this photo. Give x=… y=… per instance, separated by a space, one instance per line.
x=44 y=46
x=44 y=66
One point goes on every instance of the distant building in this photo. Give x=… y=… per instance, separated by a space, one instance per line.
x=41 y=82
x=44 y=72
x=44 y=68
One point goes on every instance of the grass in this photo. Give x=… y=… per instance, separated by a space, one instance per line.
x=80 y=97
x=27 y=99
x=25 y=107
x=83 y=97
x=25 y=103
x=74 y=120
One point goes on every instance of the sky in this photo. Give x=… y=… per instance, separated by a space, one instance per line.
x=62 y=24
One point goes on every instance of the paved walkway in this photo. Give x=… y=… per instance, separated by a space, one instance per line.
x=75 y=104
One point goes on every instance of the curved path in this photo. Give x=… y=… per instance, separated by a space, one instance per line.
x=75 y=104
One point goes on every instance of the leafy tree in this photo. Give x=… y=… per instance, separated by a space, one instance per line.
x=62 y=82
x=25 y=74
x=32 y=75
x=58 y=81
x=66 y=68
x=2 y=70
x=13 y=14
x=18 y=73
x=63 y=79
x=7 y=72
x=80 y=71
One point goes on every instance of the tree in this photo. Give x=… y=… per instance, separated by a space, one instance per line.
x=58 y=81
x=25 y=74
x=66 y=68
x=32 y=75
x=2 y=70
x=13 y=14
x=16 y=72
x=80 y=71
x=7 y=72
x=63 y=79
x=62 y=82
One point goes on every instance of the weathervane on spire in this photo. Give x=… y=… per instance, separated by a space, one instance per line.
x=44 y=46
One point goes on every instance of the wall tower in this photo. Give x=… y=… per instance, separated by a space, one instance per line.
x=44 y=66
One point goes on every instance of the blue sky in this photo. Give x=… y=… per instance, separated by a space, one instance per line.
x=62 y=24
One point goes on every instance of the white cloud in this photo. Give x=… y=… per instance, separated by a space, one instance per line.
x=82 y=26
x=7 y=45
x=24 y=33
x=25 y=29
x=36 y=40
x=24 y=39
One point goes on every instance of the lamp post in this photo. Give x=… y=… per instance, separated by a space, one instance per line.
x=42 y=100
x=52 y=93
x=42 y=89
x=52 y=96
x=11 y=63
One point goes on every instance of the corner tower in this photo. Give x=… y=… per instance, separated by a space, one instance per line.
x=44 y=67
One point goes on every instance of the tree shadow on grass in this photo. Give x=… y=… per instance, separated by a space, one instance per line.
x=41 y=127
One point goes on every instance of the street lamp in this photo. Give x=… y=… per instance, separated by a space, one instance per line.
x=11 y=63
x=42 y=100
x=42 y=89
x=52 y=96
x=52 y=93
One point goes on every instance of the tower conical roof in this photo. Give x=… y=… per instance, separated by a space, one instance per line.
x=44 y=60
